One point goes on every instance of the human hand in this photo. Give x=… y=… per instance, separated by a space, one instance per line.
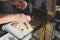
x=19 y=3
x=21 y=18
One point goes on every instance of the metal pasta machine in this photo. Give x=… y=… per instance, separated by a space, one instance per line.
x=17 y=31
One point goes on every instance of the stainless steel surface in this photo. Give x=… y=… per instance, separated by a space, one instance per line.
x=17 y=30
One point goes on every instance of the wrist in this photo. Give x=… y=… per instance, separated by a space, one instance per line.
x=14 y=17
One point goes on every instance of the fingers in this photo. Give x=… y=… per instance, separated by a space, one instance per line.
x=25 y=18
x=24 y=5
x=22 y=18
x=28 y=18
x=21 y=4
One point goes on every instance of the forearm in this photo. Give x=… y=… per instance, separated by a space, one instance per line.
x=4 y=18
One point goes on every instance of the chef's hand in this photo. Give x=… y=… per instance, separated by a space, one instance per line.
x=19 y=3
x=21 y=18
